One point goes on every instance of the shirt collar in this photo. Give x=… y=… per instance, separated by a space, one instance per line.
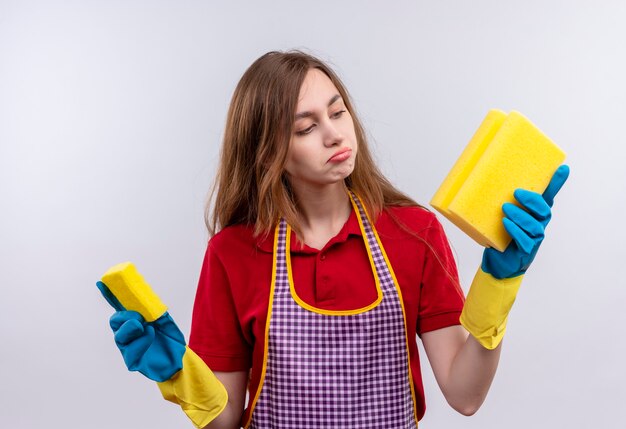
x=351 y=227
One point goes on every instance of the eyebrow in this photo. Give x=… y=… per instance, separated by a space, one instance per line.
x=307 y=113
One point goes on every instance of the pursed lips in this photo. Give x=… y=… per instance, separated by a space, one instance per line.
x=340 y=155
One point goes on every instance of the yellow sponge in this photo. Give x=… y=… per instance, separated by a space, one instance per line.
x=132 y=291
x=506 y=152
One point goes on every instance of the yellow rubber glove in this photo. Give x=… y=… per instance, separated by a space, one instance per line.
x=498 y=279
x=151 y=343
x=196 y=389
x=487 y=307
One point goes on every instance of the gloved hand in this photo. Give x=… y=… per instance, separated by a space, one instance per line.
x=155 y=349
x=495 y=285
x=526 y=227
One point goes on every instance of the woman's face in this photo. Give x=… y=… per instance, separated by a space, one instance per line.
x=323 y=146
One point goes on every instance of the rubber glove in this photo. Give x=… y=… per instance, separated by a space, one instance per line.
x=526 y=227
x=155 y=349
x=495 y=285
x=158 y=350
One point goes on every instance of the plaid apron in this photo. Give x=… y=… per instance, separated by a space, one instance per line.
x=342 y=369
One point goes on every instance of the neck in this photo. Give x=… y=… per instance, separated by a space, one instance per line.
x=323 y=212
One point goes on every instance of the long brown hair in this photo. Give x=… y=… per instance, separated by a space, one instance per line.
x=250 y=186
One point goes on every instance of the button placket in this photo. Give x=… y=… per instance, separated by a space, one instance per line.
x=324 y=289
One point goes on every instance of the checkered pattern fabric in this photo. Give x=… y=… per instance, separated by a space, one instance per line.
x=335 y=371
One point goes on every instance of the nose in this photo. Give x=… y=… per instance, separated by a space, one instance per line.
x=332 y=135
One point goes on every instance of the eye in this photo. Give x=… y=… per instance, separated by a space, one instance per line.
x=338 y=114
x=305 y=131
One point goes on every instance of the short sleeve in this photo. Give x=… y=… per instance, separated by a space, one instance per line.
x=216 y=334
x=441 y=297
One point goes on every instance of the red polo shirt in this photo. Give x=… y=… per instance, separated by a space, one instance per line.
x=230 y=311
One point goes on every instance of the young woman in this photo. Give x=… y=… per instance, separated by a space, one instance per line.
x=319 y=273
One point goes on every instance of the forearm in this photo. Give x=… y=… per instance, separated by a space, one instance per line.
x=464 y=369
x=235 y=383
x=473 y=366
x=230 y=418
x=470 y=376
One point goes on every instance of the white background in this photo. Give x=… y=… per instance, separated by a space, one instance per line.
x=111 y=114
